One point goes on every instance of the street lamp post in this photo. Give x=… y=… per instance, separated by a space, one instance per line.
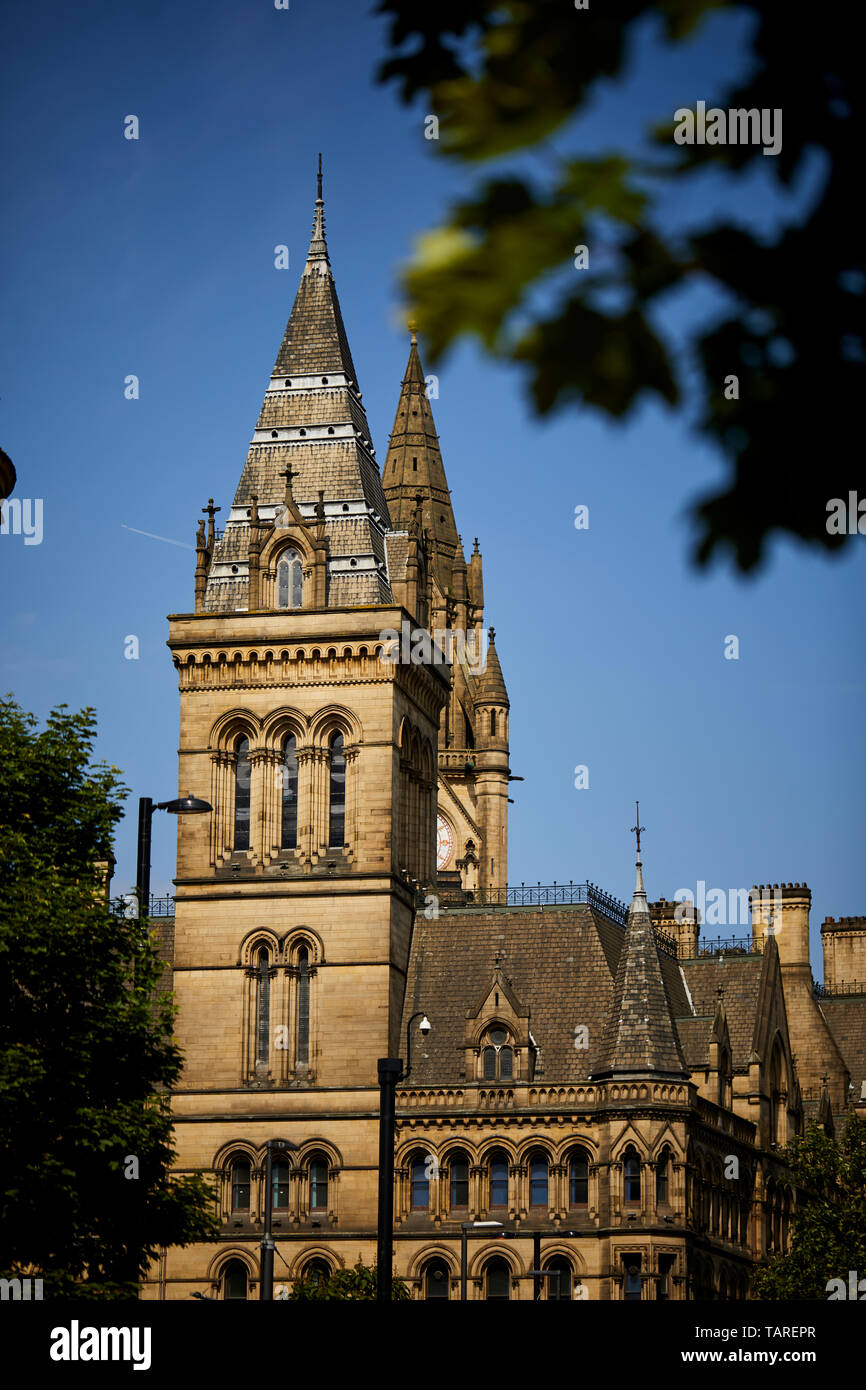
x=465 y=1228
x=188 y=805
x=390 y=1073
x=267 y=1241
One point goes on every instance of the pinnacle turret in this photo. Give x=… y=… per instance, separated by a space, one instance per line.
x=640 y=1037
x=414 y=465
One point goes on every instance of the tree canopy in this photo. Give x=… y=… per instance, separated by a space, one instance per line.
x=86 y=1052
x=828 y=1227
x=501 y=78
x=346 y=1285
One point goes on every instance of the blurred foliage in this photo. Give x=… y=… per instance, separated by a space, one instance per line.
x=503 y=77
x=347 y=1284
x=828 y=1227
x=86 y=1050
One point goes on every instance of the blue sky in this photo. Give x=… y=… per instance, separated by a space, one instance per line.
x=156 y=257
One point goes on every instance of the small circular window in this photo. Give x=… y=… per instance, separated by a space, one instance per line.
x=498 y=1036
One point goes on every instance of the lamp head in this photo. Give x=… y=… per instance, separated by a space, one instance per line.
x=188 y=805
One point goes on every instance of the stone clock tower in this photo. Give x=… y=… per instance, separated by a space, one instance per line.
x=339 y=781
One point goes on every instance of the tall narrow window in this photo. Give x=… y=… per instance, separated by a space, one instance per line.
x=489 y=1058
x=289 y=839
x=631 y=1272
x=506 y=1063
x=666 y=1267
x=337 y=811
x=263 y=1010
x=290 y=580
x=578 y=1180
x=538 y=1180
x=497 y=1278
x=459 y=1180
x=243 y=773
x=280 y=1182
x=318 y=1185
x=498 y=1180
x=662 y=1177
x=241 y=1185
x=302 y=1050
x=631 y=1170
x=420 y=1182
x=235 y=1280
x=558 y=1279
x=436 y=1280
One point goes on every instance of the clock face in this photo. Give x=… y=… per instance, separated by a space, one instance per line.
x=444 y=842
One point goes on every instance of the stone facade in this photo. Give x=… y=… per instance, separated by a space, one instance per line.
x=609 y=1091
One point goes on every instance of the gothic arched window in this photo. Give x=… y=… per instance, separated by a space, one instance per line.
x=317 y=1271
x=497 y=1279
x=631 y=1173
x=290 y=580
x=497 y=1056
x=289 y=837
x=280 y=1182
x=578 y=1179
x=337 y=801
x=263 y=1008
x=459 y=1165
x=559 y=1279
x=436 y=1280
x=234 y=1279
x=241 y=1184
x=498 y=1168
x=318 y=1183
x=538 y=1180
x=302 y=1040
x=419 y=1180
x=243 y=775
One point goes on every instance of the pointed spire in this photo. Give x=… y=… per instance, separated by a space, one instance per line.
x=311 y=438
x=491 y=688
x=315 y=342
x=414 y=463
x=638 y=902
x=318 y=246
x=459 y=587
x=640 y=1036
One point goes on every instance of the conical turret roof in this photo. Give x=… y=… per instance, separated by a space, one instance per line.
x=414 y=467
x=490 y=688
x=640 y=1037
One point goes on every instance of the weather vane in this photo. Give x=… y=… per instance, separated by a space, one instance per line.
x=637 y=827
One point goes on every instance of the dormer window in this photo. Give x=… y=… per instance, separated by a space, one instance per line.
x=290 y=580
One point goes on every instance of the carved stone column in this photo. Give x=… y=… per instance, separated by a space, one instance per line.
x=306 y=808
